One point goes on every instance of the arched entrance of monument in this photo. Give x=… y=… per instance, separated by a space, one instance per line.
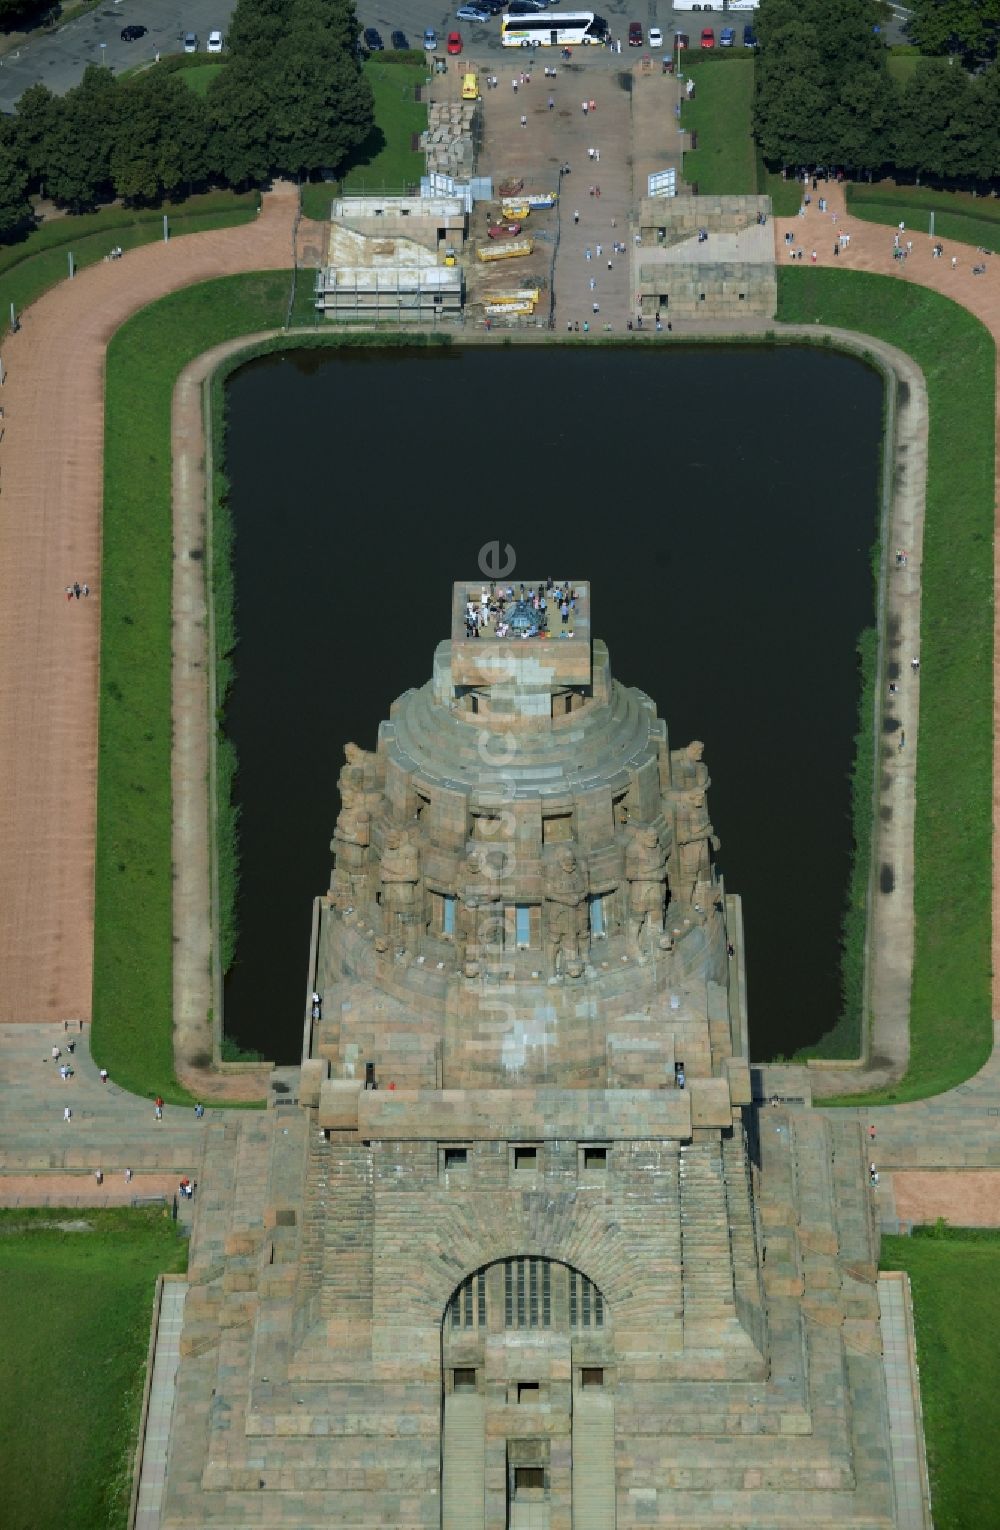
x=528 y=1378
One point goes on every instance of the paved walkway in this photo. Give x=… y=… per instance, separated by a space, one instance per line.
x=899 y=1362
x=871 y=249
x=197 y=985
x=109 y=1128
x=160 y=1405
x=50 y=535
x=960 y=1129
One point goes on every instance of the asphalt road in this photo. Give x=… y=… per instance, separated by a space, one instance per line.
x=58 y=59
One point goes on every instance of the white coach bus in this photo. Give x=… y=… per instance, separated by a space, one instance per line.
x=552 y=29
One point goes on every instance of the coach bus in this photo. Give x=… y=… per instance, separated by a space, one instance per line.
x=552 y=29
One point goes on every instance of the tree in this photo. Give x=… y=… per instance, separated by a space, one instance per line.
x=933 y=122
x=967 y=28
x=79 y=172
x=36 y=129
x=292 y=98
x=16 y=213
x=822 y=92
x=161 y=144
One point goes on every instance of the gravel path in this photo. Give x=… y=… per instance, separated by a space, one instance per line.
x=51 y=485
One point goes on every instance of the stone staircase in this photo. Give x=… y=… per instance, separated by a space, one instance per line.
x=593 y=1461
x=349 y=1234
x=706 y=1250
x=463 y=1497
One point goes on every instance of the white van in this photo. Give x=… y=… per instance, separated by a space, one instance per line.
x=214 y=44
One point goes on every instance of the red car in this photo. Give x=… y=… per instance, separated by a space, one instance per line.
x=707 y=37
x=635 y=34
x=454 y=42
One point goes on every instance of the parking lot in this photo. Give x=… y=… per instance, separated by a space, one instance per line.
x=484 y=40
x=58 y=59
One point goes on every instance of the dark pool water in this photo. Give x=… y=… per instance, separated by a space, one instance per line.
x=723 y=505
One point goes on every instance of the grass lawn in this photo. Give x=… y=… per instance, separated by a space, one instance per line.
x=725 y=161
x=132 y=943
x=201 y=78
x=950 y=1025
x=785 y=194
x=902 y=66
x=956 y=1307
x=385 y=162
x=957 y=214
x=75 y=1310
x=30 y=268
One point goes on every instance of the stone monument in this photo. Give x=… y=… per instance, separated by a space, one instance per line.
x=515 y=1246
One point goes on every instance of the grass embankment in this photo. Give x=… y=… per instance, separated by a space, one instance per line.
x=74 y=1311
x=724 y=163
x=386 y=161
x=957 y=214
x=950 y=1025
x=30 y=268
x=955 y=1276
x=132 y=943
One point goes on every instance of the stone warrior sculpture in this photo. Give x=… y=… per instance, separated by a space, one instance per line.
x=687 y=767
x=351 y=838
x=360 y=797
x=646 y=873
x=402 y=900
x=565 y=914
x=696 y=839
x=477 y=915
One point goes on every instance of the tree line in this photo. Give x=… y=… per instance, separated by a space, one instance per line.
x=290 y=100
x=824 y=96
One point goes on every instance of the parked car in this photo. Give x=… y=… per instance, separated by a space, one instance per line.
x=399 y=41
x=727 y=37
x=493 y=6
x=472 y=13
x=635 y=34
x=373 y=40
x=214 y=44
x=132 y=34
x=654 y=37
x=430 y=39
x=190 y=42
x=524 y=7
x=707 y=37
x=454 y=42
x=681 y=40
x=749 y=40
